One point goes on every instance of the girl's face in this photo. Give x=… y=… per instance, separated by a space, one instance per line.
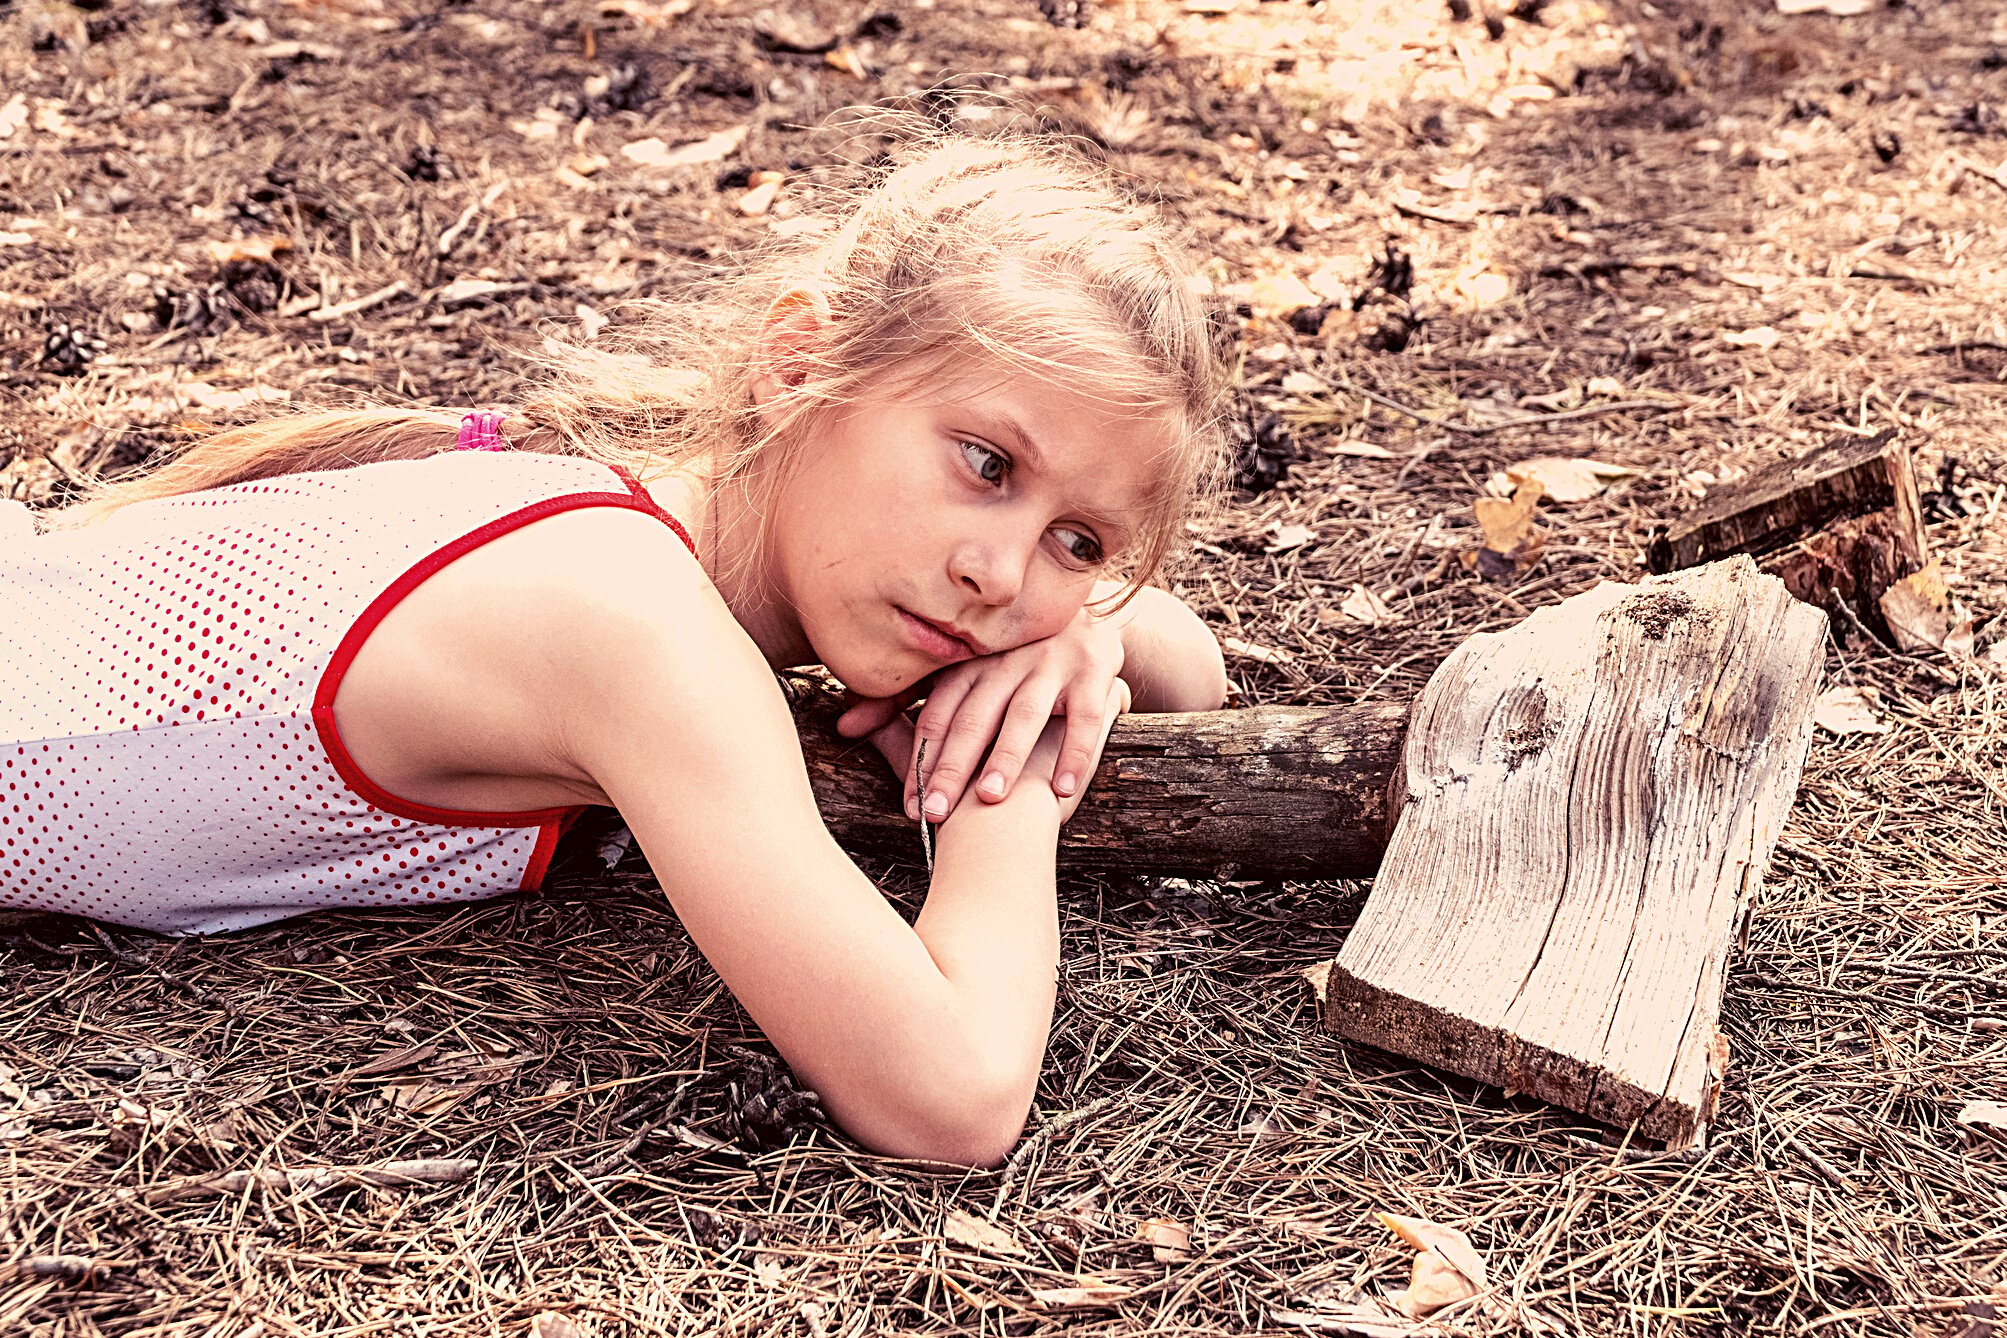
x=932 y=526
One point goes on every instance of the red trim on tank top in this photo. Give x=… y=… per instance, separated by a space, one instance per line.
x=554 y=821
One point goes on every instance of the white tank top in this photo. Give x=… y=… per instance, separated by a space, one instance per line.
x=168 y=752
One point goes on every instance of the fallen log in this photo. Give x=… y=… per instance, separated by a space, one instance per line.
x=1840 y=525
x=1267 y=792
x=1590 y=800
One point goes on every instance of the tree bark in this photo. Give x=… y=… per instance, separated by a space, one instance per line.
x=1838 y=526
x=1268 y=792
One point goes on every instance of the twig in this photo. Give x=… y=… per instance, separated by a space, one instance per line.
x=363 y=303
x=467 y=215
x=1039 y=1138
x=317 y=1179
x=1471 y=429
x=128 y=957
x=1992 y=174
x=72 y=1267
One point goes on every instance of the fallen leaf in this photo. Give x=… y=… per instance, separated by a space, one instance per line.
x=1510 y=535
x=1364 y=450
x=1303 y=383
x=466 y=290
x=1763 y=336
x=1845 y=9
x=968 y=1229
x=590 y=322
x=248 y=248
x=425 y=1098
x=792 y=30
x=1319 y=977
x=648 y=13
x=1447 y=1269
x=653 y=152
x=551 y=1324
x=542 y=124
x=1288 y=537
x=13 y=115
x=1363 y=606
x=1567 y=479
x=1248 y=650
x=1848 y=711
x=1451 y=1244
x=16 y=239
x=846 y=59
x=1483 y=288
x=1091 y=1293
x=408 y=1057
x=1604 y=387
x=1170 y=1242
x=1280 y=294
x=1918 y=609
x=765 y=186
x=1434 y=1283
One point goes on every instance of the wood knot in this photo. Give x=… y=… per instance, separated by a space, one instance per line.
x=1528 y=725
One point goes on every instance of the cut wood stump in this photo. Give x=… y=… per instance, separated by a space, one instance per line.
x=1840 y=525
x=1590 y=800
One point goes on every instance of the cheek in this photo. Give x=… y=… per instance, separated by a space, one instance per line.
x=1053 y=605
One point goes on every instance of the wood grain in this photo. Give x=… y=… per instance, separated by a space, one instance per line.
x=1590 y=799
x=1268 y=792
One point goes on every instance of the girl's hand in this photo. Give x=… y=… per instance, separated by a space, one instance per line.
x=1001 y=703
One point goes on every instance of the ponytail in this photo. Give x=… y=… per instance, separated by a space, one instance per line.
x=293 y=444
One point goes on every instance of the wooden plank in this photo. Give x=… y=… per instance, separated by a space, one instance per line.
x=1267 y=792
x=1590 y=799
x=1793 y=499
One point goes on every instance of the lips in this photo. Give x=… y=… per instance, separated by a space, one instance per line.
x=941 y=639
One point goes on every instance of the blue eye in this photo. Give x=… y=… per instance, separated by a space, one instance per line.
x=991 y=468
x=1083 y=548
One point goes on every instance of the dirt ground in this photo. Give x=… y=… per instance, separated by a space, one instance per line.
x=1756 y=230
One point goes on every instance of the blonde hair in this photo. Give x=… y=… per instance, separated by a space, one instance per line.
x=1014 y=254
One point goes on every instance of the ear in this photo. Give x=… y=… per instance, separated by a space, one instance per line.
x=791 y=342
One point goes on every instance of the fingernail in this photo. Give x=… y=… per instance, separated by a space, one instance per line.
x=1066 y=785
x=937 y=806
x=913 y=807
x=993 y=785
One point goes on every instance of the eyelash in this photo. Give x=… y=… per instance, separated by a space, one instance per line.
x=1090 y=559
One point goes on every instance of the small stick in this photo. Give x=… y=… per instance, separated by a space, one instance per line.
x=488 y=197
x=363 y=303
x=1481 y=429
x=1992 y=174
x=72 y=1267
x=920 y=788
x=130 y=958
x=317 y=1179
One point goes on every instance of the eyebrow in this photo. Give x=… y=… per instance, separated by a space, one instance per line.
x=1021 y=441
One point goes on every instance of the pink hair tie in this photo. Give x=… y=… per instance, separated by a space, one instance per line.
x=481 y=430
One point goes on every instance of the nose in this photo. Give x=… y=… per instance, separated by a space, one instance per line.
x=992 y=567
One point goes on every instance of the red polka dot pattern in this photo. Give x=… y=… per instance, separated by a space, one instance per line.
x=160 y=761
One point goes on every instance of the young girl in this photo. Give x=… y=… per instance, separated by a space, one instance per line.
x=334 y=661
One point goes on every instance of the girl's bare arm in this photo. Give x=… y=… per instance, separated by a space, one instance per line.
x=1171 y=660
x=923 y=1041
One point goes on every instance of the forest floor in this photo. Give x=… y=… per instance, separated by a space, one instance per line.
x=1757 y=230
